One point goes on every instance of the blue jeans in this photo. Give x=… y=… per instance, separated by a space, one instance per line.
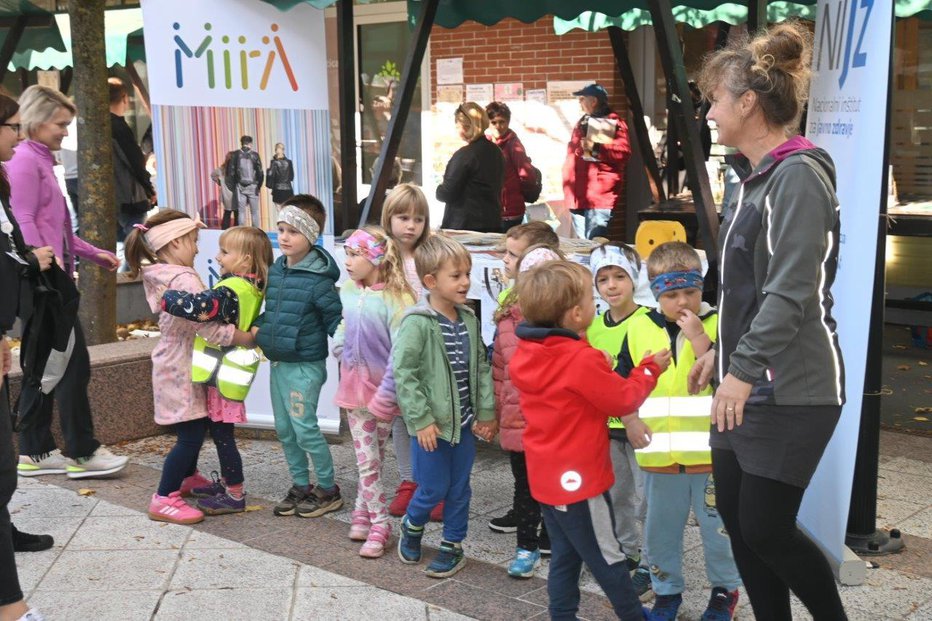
x=443 y=474
x=669 y=497
x=583 y=533
x=589 y=223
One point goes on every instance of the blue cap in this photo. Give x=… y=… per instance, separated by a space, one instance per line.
x=593 y=90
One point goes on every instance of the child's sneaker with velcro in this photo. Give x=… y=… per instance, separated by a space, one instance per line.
x=524 y=563
x=377 y=541
x=319 y=502
x=191 y=483
x=173 y=509
x=449 y=560
x=289 y=504
x=222 y=504
x=666 y=607
x=721 y=606
x=211 y=488
x=409 y=543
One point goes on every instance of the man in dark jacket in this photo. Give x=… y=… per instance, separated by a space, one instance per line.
x=596 y=157
x=244 y=178
x=133 y=184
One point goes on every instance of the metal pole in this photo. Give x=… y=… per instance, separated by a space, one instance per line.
x=637 y=112
x=10 y=43
x=400 y=108
x=757 y=15
x=95 y=166
x=862 y=535
x=683 y=114
x=348 y=108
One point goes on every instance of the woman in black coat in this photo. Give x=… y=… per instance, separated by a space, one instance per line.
x=472 y=183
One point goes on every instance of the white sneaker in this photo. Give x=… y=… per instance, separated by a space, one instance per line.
x=52 y=463
x=32 y=615
x=101 y=463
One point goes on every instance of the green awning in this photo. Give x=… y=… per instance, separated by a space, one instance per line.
x=284 y=5
x=119 y=25
x=452 y=13
x=40 y=33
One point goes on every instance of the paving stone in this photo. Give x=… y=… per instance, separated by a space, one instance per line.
x=49 y=502
x=920 y=524
x=435 y=613
x=105 y=508
x=129 y=532
x=315 y=577
x=353 y=603
x=200 y=540
x=478 y=603
x=915 y=559
x=231 y=604
x=60 y=528
x=97 y=570
x=910 y=466
x=892 y=512
x=481 y=543
x=31 y=567
x=97 y=605
x=888 y=594
x=240 y=568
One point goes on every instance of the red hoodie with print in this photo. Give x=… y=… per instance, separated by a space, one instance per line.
x=568 y=392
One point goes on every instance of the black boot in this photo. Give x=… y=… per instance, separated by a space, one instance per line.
x=24 y=542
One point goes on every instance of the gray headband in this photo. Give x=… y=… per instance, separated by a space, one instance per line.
x=297 y=218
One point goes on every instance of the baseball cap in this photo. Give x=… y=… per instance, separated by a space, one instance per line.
x=593 y=90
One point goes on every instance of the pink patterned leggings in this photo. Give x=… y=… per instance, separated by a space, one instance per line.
x=369 y=436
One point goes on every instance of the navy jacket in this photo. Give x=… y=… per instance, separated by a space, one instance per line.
x=302 y=306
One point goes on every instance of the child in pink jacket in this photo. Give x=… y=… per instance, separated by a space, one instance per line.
x=511 y=423
x=163 y=249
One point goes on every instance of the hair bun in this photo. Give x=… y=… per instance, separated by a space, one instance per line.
x=785 y=47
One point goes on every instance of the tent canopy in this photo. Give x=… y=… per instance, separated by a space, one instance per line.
x=452 y=13
x=40 y=33
x=120 y=25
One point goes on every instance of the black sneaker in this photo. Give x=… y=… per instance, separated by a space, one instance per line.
x=25 y=542
x=319 y=502
x=289 y=503
x=642 y=586
x=504 y=524
x=543 y=542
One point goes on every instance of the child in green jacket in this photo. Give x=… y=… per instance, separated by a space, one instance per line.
x=443 y=385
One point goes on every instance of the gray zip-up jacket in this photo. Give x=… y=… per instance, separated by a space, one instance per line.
x=779 y=254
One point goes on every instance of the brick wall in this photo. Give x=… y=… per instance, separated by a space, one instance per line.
x=532 y=54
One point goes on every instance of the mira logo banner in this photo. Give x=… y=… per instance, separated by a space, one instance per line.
x=235 y=53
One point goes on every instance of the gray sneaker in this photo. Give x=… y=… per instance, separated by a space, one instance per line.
x=49 y=463
x=319 y=502
x=289 y=503
x=102 y=463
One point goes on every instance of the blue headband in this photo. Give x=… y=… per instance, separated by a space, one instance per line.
x=670 y=281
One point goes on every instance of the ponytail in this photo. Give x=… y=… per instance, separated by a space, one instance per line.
x=137 y=250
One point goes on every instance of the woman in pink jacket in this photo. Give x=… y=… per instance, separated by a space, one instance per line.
x=40 y=208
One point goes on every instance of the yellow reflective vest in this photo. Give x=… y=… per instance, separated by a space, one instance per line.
x=679 y=423
x=610 y=339
x=230 y=369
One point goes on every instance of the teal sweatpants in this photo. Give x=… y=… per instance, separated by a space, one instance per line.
x=295 y=391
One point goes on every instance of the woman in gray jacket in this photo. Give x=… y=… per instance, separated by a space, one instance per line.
x=778 y=363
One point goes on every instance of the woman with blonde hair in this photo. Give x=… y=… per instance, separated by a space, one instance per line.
x=472 y=183
x=779 y=367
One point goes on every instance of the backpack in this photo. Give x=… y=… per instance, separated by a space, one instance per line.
x=532 y=186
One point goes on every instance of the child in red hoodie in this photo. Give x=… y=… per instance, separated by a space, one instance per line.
x=568 y=391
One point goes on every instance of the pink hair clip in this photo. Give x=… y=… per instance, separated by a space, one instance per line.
x=141 y=227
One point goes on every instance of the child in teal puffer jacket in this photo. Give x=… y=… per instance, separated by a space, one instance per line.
x=302 y=307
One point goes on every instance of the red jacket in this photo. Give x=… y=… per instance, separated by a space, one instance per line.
x=568 y=392
x=517 y=172
x=596 y=185
x=507 y=404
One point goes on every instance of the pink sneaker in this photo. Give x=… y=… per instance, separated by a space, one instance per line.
x=379 y=536
x=195 y=480
x=359 y=527
x=173 y=509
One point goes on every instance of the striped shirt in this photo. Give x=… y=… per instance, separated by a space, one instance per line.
x=456 y=342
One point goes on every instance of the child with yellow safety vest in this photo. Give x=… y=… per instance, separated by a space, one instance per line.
x=677 y=463
x=244 y=258
x=615 y=270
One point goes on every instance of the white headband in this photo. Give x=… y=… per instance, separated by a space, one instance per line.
x=300 y=220
x=606 y=256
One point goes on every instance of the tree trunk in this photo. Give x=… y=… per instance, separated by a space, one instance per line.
x=95 y=166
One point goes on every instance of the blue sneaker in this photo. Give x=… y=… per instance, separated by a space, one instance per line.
x=721 y=606
x=666 y=607
x=449 y=560
x=409 y=543
x=524 y=563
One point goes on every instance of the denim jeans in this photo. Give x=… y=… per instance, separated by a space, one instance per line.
x=589 y=223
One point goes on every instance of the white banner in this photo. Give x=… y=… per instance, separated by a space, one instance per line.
x=259 y=401
x=235 y=54
x=847 y=116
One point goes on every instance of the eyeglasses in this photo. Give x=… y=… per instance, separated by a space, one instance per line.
x=16 y=127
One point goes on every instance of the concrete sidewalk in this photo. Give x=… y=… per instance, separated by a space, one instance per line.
x=112 y=562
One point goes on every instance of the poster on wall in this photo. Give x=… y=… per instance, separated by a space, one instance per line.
x=847 y=117
x=450 y=70
x=450 y=93
x=480 y=93
x=509 y=91
x=561 y=90
x=220 y=70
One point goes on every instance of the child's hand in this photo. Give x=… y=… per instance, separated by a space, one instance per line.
x=486 y=430
x=243 y=339
x=661 y=358
x=609 y=359
x=639 y=434
x=427 y=437
x=690 y=324
x=254 y=331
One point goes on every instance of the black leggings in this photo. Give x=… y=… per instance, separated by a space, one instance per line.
x=228 y=216
x=181 y=461
x=10 y=592
x=527 y=510
x=772 y=554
